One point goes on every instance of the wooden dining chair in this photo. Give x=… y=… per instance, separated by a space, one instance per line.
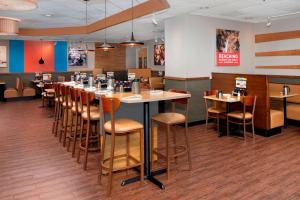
x=170 y=120
x=89 y=139
x=214 y=111
x=244 y=117
x=119 y=128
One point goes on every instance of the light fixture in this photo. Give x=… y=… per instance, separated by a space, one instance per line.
x=269 y=23
x=9 y=26
x=18 y=5
x=105 y=46
x=132 y=42
x=48 y=15
x=41 y=60
x=154 y=20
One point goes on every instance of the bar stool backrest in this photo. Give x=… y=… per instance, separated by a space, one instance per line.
x=86 y=98
x=110 y=106
x=75 y=95
x=183 y=101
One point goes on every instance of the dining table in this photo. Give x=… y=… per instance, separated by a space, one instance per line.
x=284 y=98
x=227 y=99
x=145 y=97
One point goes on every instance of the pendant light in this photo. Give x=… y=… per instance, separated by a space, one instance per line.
x=132 y=42
x=41 y=61
x=105 y=46
x=86 y=23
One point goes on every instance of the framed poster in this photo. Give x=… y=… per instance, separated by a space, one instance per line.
x=159 y=54
x=228 y=47
x=77 y=57
x=3 y=56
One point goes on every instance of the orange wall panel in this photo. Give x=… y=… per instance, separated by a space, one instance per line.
x=33 y=50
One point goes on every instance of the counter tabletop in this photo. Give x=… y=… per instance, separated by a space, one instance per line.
x=281 y=96
x=231 y=99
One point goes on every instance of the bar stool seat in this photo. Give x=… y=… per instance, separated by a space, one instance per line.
x=94 y=115
x=240 y=115
x=216 y=110
x=169 y=118
x=123 y=126
x=92 y=108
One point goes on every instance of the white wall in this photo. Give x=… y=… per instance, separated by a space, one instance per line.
x=278 y=26
x=132 y=56
x=191 y=46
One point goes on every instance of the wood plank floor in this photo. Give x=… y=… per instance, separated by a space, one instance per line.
x=34 y=165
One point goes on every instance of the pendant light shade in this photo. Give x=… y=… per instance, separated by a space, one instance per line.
x=105 y=46
x=9 y=26
x=18 y=5
x=41 y=60
x=132 y=42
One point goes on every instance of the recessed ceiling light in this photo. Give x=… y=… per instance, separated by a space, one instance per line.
x=47 y=15
x=203 y=7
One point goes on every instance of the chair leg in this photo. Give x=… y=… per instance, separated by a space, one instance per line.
x=152 y=144
x=253 y=130
x=58 y=118
x=188 y=146
x=75 y=135
x=175 y=143
x=80 y=140
x=127 y=152
x=227 y=125
x=244 y=127
x=89 y=128
x=55 y=117
x=206 y=121
x=66 y=126
x=111 y=165
x=142 y=155
x=167 y=151
x=71 y=132
x=218 y=123
x=62 y=124
x=102 y=157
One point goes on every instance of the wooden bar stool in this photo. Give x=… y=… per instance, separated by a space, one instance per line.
x=89 y=116
x=213 y=112
x=46 y=95
x=67 y=106
x=244 y=117
x=119 y=127
x=169 y=120
x=58 y=108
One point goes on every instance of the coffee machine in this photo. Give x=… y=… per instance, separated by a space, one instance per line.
x=240 y=87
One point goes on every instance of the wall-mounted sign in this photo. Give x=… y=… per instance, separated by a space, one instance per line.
x=3 y=56
x=228 y=48
x=159 y=54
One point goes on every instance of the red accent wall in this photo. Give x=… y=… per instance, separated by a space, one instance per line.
x=33 y=50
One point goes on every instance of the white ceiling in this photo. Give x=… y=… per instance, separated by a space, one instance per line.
x=72 y=13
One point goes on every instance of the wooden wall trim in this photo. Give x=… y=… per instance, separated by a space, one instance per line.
x=140 y=10
x=185 y=79
x=268 y=37
x=295 y=52
x=279 y=67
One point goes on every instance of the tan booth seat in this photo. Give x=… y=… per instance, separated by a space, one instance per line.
x=156 y=82
x=13 y=92
x=293 y=103
x=277 y=118
x=27 y=91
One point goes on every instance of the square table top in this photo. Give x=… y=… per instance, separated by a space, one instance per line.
x=281 y=96
x=232 y=99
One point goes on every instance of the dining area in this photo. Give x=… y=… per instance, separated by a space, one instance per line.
x=149 y=99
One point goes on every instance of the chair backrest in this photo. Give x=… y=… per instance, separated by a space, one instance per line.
x=183 y=101
x=156 y=82
x=86 y=99
x=75 y=96
x=210 y=92
x=248 y=102
x=109 y=105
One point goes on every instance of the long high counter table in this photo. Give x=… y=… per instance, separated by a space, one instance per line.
x=146 y=97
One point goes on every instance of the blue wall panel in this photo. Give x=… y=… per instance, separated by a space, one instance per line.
x=16 y=56
x=60 y=57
